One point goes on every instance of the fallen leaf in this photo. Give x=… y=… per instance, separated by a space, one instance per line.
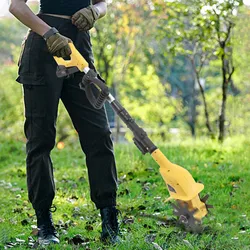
x=24 y=222
x=157 y=198
x=234 y=238
x=162 y=223
x=187 y=243
x=124 y=192
x=82 y=179
x=10 y=245
x=20 y=240
x=76 y=240
x=30 y=239
x=156 y=246
x=146 y=186
x=34 y=231
x=18 y=210
x=128 y=220
x=141 y=207
x=13 y=221
x=74 y=197
x=242 y=232
x=150 y=238
x=89 y=228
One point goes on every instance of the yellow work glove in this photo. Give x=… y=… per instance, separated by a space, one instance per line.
x=57 y=44
x=85 y=18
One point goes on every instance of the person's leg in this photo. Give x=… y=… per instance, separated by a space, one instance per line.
x=42 y=90
x=94 y=134
x=41 y=104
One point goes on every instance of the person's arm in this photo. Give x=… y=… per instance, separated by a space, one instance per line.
x=85 y=18
x=23 y=13
x=101 y=5
x=56 y=43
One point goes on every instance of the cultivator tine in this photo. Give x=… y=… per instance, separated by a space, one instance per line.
x=186 y=214
x=209 y=206
x=205 y=198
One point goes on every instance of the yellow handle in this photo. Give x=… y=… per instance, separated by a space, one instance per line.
x=76 y=59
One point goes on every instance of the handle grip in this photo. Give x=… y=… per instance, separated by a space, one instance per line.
x=76 y=59
x=95 y=88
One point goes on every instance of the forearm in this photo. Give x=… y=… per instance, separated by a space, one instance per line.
x=24 y=14
x=102 y=8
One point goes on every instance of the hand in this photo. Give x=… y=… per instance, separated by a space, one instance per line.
x=57 y=44
x=85 y=18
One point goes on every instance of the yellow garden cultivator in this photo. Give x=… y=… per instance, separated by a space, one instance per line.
x=188 y=207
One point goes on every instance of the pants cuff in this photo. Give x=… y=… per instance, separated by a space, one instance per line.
x=106 y=203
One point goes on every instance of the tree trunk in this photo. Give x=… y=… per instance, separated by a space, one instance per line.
x=208 y=125
x=227 y=72
x=222 y=115
x=192 y=110
x=197 y=76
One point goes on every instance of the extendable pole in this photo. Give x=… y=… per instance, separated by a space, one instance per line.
x=141 y=140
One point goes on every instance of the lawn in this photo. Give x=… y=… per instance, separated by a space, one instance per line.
x=147 y=221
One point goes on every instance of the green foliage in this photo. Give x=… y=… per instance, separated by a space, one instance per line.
x=147 y=216
x=200 y=31
x=240 y=41
x=151 y=107
x=11 y=36
x=238 y=115
x=11 y=104
x=144 y=51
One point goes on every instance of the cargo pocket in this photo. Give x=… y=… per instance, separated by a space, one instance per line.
x=32 y=59
x=31 y=75
x=35 y=97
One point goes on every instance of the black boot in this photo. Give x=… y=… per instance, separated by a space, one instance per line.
x=46 y=231
x=110 y=227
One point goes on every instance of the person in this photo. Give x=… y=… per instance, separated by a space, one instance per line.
x=58 y=23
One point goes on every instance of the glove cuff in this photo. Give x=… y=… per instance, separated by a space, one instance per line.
x=50 y=33
x=95 y=12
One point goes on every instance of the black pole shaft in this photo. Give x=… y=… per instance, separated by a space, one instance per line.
x=141 y=139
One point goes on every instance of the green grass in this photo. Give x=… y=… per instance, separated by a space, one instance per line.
x=141 y=197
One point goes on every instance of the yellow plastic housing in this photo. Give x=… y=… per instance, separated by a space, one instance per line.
x=181 y=185
x=76 y=59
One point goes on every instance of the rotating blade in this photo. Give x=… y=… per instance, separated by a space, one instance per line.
x=186 y=215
